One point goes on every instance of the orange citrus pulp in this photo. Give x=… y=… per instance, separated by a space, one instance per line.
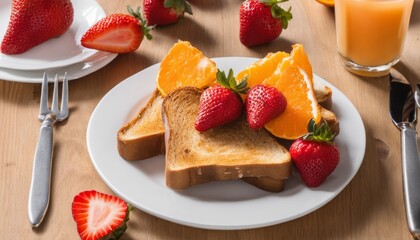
x=292 y=76
x=185 y=65
x=329 y=3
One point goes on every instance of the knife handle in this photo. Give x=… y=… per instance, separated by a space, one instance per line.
x=39 y=193
x=411 y=177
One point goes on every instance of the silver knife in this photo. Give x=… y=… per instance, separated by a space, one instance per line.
x=402 y=107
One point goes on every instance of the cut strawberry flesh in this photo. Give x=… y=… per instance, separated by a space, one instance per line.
x=97 y=214
x=119 y=40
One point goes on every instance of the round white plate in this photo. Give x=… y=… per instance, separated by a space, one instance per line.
x=216 y=205
x=74 y=71
x=57 y=52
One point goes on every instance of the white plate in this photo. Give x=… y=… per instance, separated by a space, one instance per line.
x=216 y=205
x=74 y=71
x=57 y=52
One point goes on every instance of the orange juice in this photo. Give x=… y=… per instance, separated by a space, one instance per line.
x=371 y=33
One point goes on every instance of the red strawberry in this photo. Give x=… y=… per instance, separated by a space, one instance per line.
x=33 y=22
x=262 y=21
x=220 y=104
x=314 y=155
x=263 y=103
x=117 y=33
x=98 y=215
x=163 y=12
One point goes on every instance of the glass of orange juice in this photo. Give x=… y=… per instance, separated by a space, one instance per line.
x=371 y=34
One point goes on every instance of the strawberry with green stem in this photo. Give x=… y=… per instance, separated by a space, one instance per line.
x=262 y=21
x=315 y=155
x=221 y=104
x=163 y=12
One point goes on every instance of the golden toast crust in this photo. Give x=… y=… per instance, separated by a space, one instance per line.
x=231 y=151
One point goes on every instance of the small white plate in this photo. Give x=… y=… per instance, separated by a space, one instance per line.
x=216 y=205
x=74 y=71
x=57 y=52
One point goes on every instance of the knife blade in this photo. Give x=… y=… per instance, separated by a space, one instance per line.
x=417 y=95
x=402 y=107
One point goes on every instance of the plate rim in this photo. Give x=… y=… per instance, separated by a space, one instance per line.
x=216 y=226
x=74 y=71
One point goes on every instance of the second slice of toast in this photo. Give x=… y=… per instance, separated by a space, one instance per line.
x=142 y=137
x=232 y=151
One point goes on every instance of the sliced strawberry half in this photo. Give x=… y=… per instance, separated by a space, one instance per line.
x=117 y=33
x=98 y=215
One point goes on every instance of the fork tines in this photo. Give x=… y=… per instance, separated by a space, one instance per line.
x=61 y=113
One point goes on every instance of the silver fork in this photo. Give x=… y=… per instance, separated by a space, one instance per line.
x=39 y=193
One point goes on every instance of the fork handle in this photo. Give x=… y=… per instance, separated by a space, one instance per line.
x=39 y=193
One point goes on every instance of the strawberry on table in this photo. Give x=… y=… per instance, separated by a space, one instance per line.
x=315 y=155
x=163 y=12
x=33 y=22
x=117 y=33
x=262 y=104
x=99 y=215
x=220 y=104
x=262 y=21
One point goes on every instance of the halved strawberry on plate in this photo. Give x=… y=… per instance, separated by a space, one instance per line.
x=117 y=33
x=99 y=215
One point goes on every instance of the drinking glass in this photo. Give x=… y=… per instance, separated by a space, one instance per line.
x=371 y=34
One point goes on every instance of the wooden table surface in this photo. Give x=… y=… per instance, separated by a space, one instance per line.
x=370 y=207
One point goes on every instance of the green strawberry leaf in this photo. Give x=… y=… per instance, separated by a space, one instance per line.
x=180 y=6
x=169 y=3
x=188 y=8
x=145 y=28
x=243 y=83
x=231 y=83
x=321 y=133
x=278 y=12
x=283 y=15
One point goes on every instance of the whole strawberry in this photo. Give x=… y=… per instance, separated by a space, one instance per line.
x=262 y=104
x=33 y=22
x=314 y=155
x=163 y=12
x=262 y=21
x=117 y=33
x=99 y=215
x=220 y=104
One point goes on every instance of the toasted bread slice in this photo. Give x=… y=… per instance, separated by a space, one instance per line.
x=232 y=151
x=142 y=137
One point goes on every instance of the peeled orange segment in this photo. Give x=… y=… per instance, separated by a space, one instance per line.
x=302 y=106
x=185 y=65
x=262 y=69
x=292 y=75
x=301 y=60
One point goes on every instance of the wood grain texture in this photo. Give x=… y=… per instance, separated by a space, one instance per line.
x=370 y=207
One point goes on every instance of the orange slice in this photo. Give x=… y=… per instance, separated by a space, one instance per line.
x=185 y=65
x=262 y=69
x=291 y=75
x=329 y=3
